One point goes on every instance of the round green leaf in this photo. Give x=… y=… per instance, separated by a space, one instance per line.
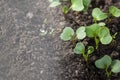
x=55 y=3
x=77 y=5
x=81 y=34
x=67 y=34
x=104 y=35
x=114 y=11
x=115 y=66
x=90 y=49
x=103 y=31
x=65 y=9
x=106 y=39
x=92 y=30
x=98 y=14
x=80 y=48
x=86 y=4
x=104 y=62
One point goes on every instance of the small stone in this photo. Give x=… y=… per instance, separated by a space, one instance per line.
x=29 y=15
x=114 y=54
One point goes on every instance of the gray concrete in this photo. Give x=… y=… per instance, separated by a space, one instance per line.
x=29 y=45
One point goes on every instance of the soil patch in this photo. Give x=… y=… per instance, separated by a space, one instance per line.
x=75 y=66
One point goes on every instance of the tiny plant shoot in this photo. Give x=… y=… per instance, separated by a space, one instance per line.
x=98 y=15
x=80 y=49
x=81 y=34
x=114 y=11
x=68 y=33
x=54 y=3
x=80 y=5
x=100 y=33
x=76 y=5
x=108 y=65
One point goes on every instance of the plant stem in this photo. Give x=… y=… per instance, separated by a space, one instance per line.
x=95 y=21
x=85 y=57
x=108 y=73
x=74 y=40
x=96 y=42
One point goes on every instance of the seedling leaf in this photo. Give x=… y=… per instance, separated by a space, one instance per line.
x=77 y=5
x=81 y=34
x=104 y=35
x=90 y=49
x=104 y=62
x=67 y=34
x=65 y=9
x=55 y=3
x=114 y=11
x=103 y=31
x=106 y=40
x=86 y=4
x=80 y=48
x=98 y=14
x=115 y=66
x=92 y=30
x=101 y=24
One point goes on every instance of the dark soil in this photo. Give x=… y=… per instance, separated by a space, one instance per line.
x=75 y=66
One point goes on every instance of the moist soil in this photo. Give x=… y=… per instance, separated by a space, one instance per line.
x=75 y=66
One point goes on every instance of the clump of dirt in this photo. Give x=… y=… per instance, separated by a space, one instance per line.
x=74 y=65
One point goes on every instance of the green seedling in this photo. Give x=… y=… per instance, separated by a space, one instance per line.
x=76 y=5
x=100 y=33
x=54 y=3
x=80 y=49
x=101 y=24
x=65 y=9
x=86 y=4
x=108 y=65
x=68 y=33
x=98 y=15
x=80 y=5
x=104 y=35
x=80 y=33
x=114 y=35
x=114 y=11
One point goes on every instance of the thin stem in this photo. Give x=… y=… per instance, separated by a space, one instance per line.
x=108 y=73
x=96 y=42
x=85 y=57
x=95 y=21
x=74 y=40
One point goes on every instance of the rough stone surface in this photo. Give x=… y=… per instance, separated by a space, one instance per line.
x=29 y=45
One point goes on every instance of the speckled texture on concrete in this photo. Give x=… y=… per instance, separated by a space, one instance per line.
x=29 y=45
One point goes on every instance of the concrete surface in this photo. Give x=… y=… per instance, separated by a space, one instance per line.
x=29 y=45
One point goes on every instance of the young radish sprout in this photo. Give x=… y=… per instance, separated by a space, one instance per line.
x=54 y=3
x=99 y=15
x=80 y=49
x=114 y=11
x=108 y=65
x=69 y=34
x=76 y=5
x=100 y=33
x=80 y=5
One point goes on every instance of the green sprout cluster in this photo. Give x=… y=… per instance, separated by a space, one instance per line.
x=80 y=49
x=109 y=65
x=97 y=31
x=76 y=5
x=100 y=33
